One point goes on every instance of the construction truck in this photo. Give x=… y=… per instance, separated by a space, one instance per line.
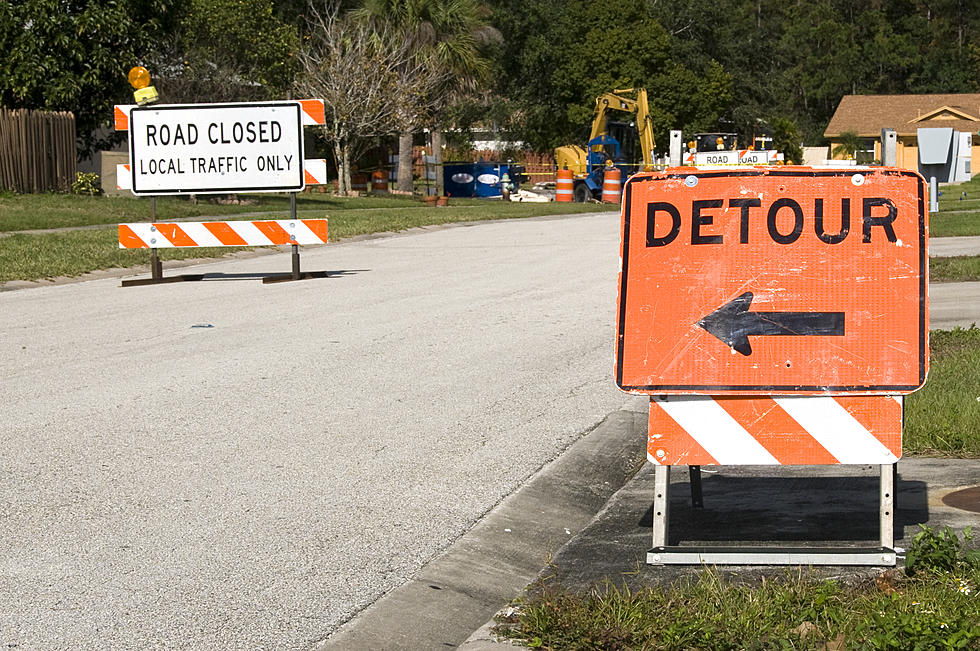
x=602 y=149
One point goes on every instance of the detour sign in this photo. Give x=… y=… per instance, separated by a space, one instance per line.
x=773 y=280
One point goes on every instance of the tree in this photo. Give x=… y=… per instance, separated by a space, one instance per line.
x=449 y=34
x=73 y=56
x=227 y=50
x=850 y=142
x=562 y=54
x=368 y=76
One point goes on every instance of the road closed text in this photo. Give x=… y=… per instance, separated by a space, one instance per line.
x=786 y=220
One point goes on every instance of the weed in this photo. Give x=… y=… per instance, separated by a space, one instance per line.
x=86 y=184
x=938 y=552
x=928 y=610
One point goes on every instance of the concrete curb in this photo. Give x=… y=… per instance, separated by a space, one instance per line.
x=458 y=592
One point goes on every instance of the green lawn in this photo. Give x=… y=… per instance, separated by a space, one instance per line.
x=28 y=212
x=943 y=418
x=954 y=269
x=71 y=253
x=932 y=609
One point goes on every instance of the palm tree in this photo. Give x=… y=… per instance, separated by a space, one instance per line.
x=850 y=142
x=449 y=34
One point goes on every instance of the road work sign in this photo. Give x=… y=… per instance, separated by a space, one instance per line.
x=215 y=148
x=773 y=280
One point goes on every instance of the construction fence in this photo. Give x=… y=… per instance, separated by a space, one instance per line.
x=37 y=151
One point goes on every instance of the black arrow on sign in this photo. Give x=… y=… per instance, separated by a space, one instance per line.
x=733 y=324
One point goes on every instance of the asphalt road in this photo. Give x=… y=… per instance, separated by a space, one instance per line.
x=254 y=483
x=228 y=464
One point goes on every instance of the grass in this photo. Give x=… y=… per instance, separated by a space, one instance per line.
x=943 y=417
x=954 y=269
x=930 y=607
x=27 y=212
x=72 y=253
x=945 y=224
x=957 y=216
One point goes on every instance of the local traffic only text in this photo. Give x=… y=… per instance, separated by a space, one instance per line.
x=215 y=164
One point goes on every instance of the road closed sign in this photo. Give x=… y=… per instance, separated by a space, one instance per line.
x=215 y=148
x=773 y=280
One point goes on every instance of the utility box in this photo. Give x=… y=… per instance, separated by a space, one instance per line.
x=945 y=155
x=964 y=151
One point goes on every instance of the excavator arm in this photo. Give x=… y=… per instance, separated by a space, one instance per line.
x=638 y=106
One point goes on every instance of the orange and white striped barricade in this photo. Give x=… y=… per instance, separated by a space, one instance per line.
x=611 y=182
x=168 y=235
x=776 y=315
x=564 y=186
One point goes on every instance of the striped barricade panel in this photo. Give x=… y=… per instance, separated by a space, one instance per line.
x=231 y=233
x=313 y=113
x=124 y=178
x=775 y=430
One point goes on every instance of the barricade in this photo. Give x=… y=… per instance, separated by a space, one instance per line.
x=564 y=186
x=611 y=185
x=166 y=235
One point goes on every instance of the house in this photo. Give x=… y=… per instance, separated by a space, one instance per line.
x=867 y=115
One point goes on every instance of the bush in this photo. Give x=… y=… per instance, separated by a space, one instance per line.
x=87 y=184
x=939 y=552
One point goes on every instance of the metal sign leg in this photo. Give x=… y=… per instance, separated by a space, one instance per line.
x=295 y=274
x=661 y=504
x=664 y=554
x=887 y=505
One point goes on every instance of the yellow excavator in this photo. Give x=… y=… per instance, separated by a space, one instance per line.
x=587 y=165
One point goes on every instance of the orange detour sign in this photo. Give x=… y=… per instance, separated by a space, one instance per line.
x=773 y=280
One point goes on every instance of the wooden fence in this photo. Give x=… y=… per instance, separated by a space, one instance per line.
x=37 y=151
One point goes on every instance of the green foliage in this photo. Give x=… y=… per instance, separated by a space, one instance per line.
x=73 y=56
x=943 y=417
x=227 y=50
x=590 y=48
x=934 y=611
x=788 y=60
x=849 y=144
x=939 y=552
x=86 y=184
x=954 y=269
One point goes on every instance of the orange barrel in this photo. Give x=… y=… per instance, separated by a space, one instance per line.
x=611 y=185
x=379 y=181
x=358 y=182
x=565 y=186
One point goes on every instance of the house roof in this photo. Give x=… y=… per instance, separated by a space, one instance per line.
x=867 y=115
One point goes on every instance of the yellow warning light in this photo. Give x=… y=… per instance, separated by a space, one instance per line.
x=139 y=77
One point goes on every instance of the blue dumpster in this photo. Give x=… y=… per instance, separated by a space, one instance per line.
x=480 y=179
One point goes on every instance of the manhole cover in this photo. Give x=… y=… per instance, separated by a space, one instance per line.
x=967 y=499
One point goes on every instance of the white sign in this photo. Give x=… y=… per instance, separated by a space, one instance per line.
x=731 y=157
x=213 y=148
x=727 y=157
x=754 y=157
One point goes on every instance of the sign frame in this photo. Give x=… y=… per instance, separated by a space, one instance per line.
x=298 y=186
x=733 y=388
